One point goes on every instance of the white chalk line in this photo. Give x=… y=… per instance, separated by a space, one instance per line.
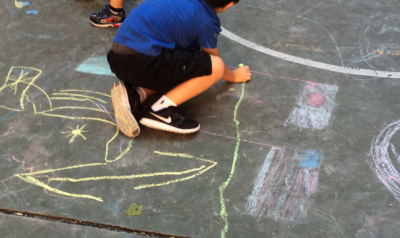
x=380 y=162
x=307 y=62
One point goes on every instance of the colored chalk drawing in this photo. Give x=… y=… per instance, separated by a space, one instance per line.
x=285 y=184
x=22 y=79
x=383 y=156
x=311 y=160
x=314 y=106
x=74 y=133
x=96 y=64
x=21 y=4
x=223 y=213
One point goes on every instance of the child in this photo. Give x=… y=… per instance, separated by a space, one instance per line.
x=157 y=49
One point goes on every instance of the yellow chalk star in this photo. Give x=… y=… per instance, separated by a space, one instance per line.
x=75 y=133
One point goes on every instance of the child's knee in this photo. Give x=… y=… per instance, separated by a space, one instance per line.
x=217 y=66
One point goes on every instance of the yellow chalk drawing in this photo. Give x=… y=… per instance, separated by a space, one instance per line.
x=393 y=53
x=19 y=4
x=75 y=133
x=18 y=77
x=27 y=177
x=13 y=82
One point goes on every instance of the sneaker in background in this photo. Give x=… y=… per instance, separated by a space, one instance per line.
x=105 y=18
x=168 y=120
x=126 y=109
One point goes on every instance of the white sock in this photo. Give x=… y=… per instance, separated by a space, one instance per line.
x=113 y=12
x=141 y=93
x=163 y=102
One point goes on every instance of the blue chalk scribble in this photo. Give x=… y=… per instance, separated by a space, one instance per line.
x=310 y=159
x=96 y=64
x=33 y=12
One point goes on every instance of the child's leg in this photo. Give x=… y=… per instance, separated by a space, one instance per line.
x=116 y=3
x=195 y=86
x=162 y=115
x=112 y=15
x=126 y=101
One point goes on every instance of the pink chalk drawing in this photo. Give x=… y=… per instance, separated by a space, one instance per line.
x=285 y=184
x=313 y=107
x=384 y=158
x=315 y=100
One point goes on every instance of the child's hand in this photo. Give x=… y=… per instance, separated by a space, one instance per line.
x=242 y=74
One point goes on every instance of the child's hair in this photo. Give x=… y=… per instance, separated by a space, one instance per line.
x=220 y=3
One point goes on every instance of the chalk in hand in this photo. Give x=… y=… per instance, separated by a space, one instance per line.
x=241 y=65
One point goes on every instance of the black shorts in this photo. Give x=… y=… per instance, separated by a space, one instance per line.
x=162 y=72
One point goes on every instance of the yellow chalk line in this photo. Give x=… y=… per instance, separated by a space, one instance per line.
x=78 y=108
x=181 y=179
x=20 y=81
x=48 y=98
x=30 y=84
x=64 y=168
x=183 y=155
x=12 y=109
x=122 y=154
x=80 y=95
x=26 y=89
x=29 y=179
x=176 y=180
x=75 y=99
x=9 y=73
x=174 y=154
x=80 y=90
x=78 y=118
x=34 y=181
x=397 y=53
x=125 y=176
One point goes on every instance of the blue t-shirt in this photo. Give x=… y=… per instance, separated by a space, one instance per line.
x=171 y=24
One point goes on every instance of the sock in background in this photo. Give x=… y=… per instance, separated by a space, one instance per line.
x=141 y=93
x=114 y=10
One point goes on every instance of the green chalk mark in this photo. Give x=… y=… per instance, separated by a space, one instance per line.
x=134 y=210
x=223 y=213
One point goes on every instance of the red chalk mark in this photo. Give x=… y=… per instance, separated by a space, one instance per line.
x=234 y=138
x=316 y=100
x=313 y=182
x=288 y=210
x=390 y=176
x=280 y=77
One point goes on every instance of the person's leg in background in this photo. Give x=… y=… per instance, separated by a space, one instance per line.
x=112 y=15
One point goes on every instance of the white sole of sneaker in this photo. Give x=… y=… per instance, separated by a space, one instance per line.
x=161 y=126
x=124 y=118
x=108 y=25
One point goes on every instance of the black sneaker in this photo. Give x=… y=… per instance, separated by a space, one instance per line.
x=126 y=108
x=105 y=18
x=168 y=120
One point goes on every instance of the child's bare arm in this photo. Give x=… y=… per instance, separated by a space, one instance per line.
x=240 y=74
